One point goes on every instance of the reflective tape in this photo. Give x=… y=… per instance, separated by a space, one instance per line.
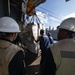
x=67 y=54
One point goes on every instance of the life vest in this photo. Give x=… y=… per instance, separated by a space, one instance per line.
x=7 y=52
x=64 y=56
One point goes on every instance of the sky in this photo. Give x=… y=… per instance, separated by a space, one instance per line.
x=53 y=12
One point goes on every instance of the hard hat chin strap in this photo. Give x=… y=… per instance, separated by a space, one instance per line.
x=14 y=36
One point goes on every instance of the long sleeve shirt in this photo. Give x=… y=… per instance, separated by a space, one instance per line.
x=16 y=65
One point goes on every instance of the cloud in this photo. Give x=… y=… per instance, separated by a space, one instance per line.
x=47 y=20
x=43 y=17
x=70 y=15
x=51 y=21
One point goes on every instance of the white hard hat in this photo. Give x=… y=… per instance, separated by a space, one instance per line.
x=8 y=24
x=68 y=24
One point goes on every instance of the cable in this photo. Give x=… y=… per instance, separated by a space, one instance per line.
x=49 y=15
x=49 y=11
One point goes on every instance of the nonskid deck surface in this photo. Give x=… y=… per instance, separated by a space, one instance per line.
x=33 y=63
x=34 y=67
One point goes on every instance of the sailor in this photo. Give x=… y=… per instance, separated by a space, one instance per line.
x=44 y=45
x=11 y=56
x=61 y=55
